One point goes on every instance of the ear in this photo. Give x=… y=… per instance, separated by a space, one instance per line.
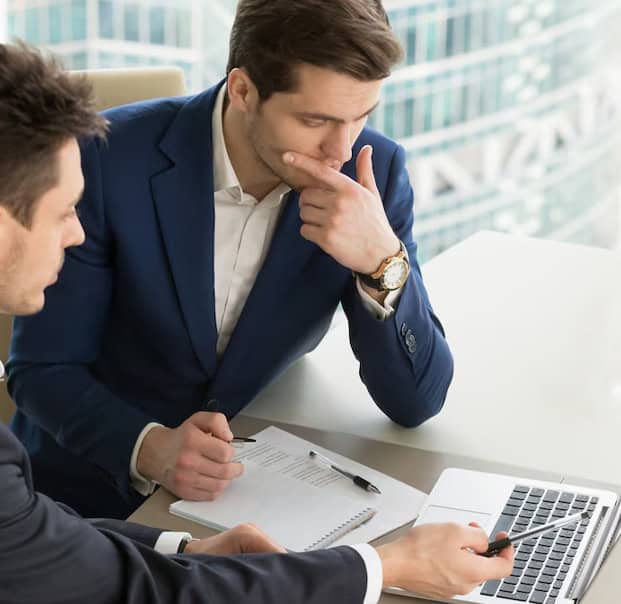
x=242 y=93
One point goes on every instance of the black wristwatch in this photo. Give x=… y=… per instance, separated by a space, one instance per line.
x=391 y=274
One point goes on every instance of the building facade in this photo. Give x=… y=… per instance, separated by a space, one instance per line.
x=508 y=110
x=191 y=34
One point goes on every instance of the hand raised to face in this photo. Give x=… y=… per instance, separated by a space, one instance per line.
x=345 y=217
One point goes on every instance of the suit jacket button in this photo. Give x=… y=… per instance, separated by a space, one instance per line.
x=404 y=329
x=410 y=342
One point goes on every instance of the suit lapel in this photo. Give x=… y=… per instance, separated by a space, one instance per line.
x=184 y=201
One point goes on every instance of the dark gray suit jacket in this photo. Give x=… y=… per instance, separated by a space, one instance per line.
x=48 y=554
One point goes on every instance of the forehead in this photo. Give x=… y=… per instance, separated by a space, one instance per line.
x=321 y=90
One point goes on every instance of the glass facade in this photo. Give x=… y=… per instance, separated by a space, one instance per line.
x=191 y=34
x=508 y=110
x=510 y=116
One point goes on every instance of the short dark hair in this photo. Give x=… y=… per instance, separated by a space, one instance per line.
x=271 y=37
x=41 y=108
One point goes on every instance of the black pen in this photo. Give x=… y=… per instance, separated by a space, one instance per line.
x=495 y=546
x=243 y=439
x=363 y=483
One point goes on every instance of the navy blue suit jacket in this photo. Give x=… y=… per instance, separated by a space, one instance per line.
x=128 y=334
x=49 y=555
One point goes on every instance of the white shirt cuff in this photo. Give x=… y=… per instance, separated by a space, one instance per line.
x=381 y=313
x=375 y=573
x=143 y=485
x=168 y=542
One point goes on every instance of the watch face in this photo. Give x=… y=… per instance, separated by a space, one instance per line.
x=395 y=274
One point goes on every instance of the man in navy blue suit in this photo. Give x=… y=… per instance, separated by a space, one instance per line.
x=222 y=232
x=48 y=554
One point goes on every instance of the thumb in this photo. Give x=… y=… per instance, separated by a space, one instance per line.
x=213 y=423
x=364 y=169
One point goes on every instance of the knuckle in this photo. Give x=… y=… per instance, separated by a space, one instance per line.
x=185 y=461
x=248 y=528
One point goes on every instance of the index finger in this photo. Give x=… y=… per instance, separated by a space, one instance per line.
x=318 y=170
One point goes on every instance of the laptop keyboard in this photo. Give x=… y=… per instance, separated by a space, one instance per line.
x=541 y=563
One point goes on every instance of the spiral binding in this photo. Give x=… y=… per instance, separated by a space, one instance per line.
x=342 y=529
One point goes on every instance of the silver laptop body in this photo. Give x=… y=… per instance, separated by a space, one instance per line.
x=558 y=567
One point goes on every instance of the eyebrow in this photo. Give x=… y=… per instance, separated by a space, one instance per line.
x=331 y=118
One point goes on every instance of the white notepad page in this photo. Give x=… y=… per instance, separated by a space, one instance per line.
x=296 y=515
x=301 y=502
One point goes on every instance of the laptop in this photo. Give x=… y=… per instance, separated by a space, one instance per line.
x=554 y=568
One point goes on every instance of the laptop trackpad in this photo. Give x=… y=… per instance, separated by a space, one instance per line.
x=438 y=513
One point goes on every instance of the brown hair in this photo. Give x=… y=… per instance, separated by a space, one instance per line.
x=271 y=37
x=41 y=108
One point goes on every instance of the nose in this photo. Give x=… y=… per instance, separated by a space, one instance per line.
x=74 y=234
x=338 y=144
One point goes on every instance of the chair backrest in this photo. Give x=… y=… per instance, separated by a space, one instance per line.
x=112 y=87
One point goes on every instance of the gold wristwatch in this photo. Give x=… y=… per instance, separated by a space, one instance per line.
x=391 y=274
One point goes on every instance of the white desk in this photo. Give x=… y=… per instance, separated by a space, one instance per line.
x=535 y=330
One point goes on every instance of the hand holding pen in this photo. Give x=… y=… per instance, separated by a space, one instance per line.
x=194 y=460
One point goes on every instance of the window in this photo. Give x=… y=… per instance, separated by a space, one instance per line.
x=78 y=19
x=106 y=19
x=157 y=25
x=33 y=29
x=131 y=22
x=55 y=24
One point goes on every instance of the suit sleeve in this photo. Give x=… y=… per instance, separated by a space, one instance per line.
x=53 y=384
x=405 y=361
x=48 y=555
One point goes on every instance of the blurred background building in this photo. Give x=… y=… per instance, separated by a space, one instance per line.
x=509 y=110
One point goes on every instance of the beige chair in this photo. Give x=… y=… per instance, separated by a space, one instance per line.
x=112 y=87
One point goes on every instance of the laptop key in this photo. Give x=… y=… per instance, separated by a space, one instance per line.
x=518 y=596
x=551 y=496
x=503 y=524
x=538 y=597
x=490 y=588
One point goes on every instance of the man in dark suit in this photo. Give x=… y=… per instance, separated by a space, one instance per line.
x=48 y=554
x=222 y=232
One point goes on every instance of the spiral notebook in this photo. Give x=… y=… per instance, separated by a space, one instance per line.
x=300 y=503
x=296 y=515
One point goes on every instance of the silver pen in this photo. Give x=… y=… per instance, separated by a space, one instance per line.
x=363 y=483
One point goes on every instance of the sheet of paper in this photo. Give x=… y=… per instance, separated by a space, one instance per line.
x=283 y=453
